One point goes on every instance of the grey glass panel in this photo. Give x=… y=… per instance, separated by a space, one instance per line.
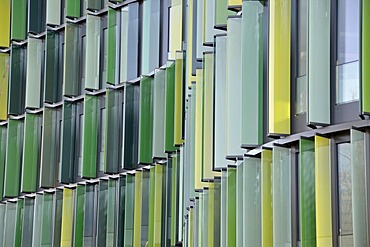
x=10 y=221
x=72 y=57
x=345 y=190
x=28 y=216
x=301 y=95
x=53 y=12
x=200 y=30
x=36 y=233
x=102 y=213
x=124 y=44
x=209 y=22
x=92 y=67
x=159 y=113
x=121 y=210
x=348 y=76
x=89 y=235
x=2 y=226
x=3 y=140
x=132 y=42
x=302 y=36
x=36 y=16
x=58 y=217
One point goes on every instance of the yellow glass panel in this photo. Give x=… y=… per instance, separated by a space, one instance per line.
x=67 y=218
x=4 y=75
x=175 y=28
x=279 y=67
x=199 y=130
x=323 y=192
x=178 y=98
x=189 y=44
x=234 y=3
x=137 y=211
x=158 y=205
x=4 y=23
x=266 y=198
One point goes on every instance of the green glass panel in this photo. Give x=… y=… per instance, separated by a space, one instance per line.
x=252 y=201
x=146 y=120
x=94 y=4
x=150 y=36
x=131 y=136
x=36 y=16
x=151 y=205
x=4 y=71
x=53 y=12
x=31 y=152
x=359 y=194
x=68 y=146
x=3 y=141
x=27 y=224
x=319 y=41
x=175 y=200
x=159 y=103
x=90 y=137
x=170 y=108
x=73 y=8
x=365 y=57
x=121 y=210
x=92 y=52
x=307 y=193
x=112 y=55
x=19 y=223
x=111 y=213
x=234 y=87
x=89 y=227
x=19 y=19
x=220 y=103
x=113 y=135
x=47 y=220
x=145 y=193
x=17 y=80
x=10 y=224
x=129 y=211
x=72 y=56
x=231 y=207
x=252 y=73
x=50 y=148
x=221 y=13
x=281 y=190
x=266 y=198
x=53 y=71
x=2 y=221
x=36 y=232
x=102 y=213
x=35 y=54
x=58 y=213
x=79 y=216
x=13 y=158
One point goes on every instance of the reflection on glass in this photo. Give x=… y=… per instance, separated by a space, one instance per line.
x=348 y=50
x=345 y=190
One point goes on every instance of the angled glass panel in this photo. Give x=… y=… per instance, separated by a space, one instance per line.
x=200 y=21
x=176 y=16
x=231 y=206
x=93 y=52
x=129 y=211
x=37 y=221
x=4 y=71
x=198 y=126
x=19 y=223
x=179 y=100
x=131 y=145
x=150 y=36
x=221 y=13
x=5 y=23
x=113 y=136
x=90 y=137
x=78 y=223
x=36 y=16
x=113 y=32
x=281 y=193
x=31 y=152
x=121 y=210
x=234 y=87
x=112 y=213
x=67 y=217
x=146 y=120
x=17 y=80
x=72 y=57
x=10 y=224
x=266 y=198
x=319 y=71
x=252 y=73
x=13 y=158
x=307 y=199
x=68 y=143
x=145 y=207
x=19 y=19
x=279 y=68
x=3 y=144
x=102 y=213
x=53 y=12
x=53 y=70
x=137 y=208
x=94 y=4
x=234 y=3
x=73 y=8
x=252 y=201
x=50 y=147
x=209 y=22
x=159 y=103
x=2 y=219
x=158 y=203
x=170 y=108
x=27 y=223
x=365 y=57
x=359 y=194
x=220 y=103
x=124 y=51
x=223 y=210
x=90 y=211
x=323 y=190
x=58 y=215
x=47 y=220
x=34 y=76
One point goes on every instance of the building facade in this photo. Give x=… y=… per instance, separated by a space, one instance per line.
x=185 y=123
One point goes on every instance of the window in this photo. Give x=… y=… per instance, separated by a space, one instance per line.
x=348 y=51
